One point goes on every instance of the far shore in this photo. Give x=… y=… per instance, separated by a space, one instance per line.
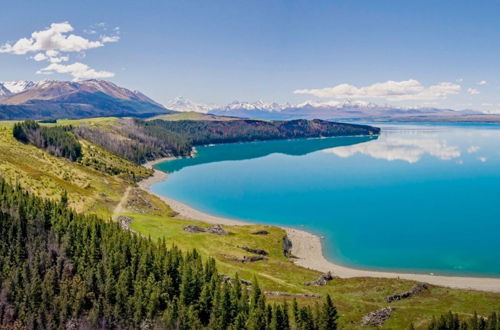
x=307 y=247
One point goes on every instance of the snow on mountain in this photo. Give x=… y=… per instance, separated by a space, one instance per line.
x=335 y=104
x=182 y=104
x=259 y=105
x=18 y=86
x=186 y=105
x=4 y=92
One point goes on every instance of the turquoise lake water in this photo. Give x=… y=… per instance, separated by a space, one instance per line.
x=419 y=198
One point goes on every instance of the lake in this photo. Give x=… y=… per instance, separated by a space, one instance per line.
x=419 y=198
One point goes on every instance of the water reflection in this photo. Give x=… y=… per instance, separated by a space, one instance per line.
x=243 y=151
x=410 y=150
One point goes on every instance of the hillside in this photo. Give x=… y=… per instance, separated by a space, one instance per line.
x=82 y=99
x=141 y=141
x=101 y=181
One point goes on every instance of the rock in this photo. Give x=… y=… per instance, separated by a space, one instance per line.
x=407 y=294
x=287 y=294
x=287 y=247
x=124 y=222
x=256 y=251
x=253 y=258
x=245 y=259
x=228 y=278
x=194 y=229
x=217 y=230
x=261 y=232
x=322 y=280
x=147 y=325
x=72 y=324
x=376 y=318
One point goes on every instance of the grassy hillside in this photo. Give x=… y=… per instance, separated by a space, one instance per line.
x=98 y=183
x=95 y=184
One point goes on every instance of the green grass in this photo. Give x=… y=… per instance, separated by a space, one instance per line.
x=89 y=190
x=96 y=191
x=100 y=122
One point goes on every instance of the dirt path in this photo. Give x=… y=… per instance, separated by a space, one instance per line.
x=119 y=208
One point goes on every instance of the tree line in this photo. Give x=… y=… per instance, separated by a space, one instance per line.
x=142 y=140
x=451 y=321
x=60 y=269
x=56 y=140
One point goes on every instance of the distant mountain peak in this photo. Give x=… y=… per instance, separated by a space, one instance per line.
x=183 y=104
x=72 y=99
x=17 y=86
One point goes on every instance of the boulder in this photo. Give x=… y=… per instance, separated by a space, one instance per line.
x=287 y=247
x=245 y=259
x=407 y=294
x=261 y=232
x=322 y=280
x=376 y=318
x=228 y=278
x=193 y=229
x=217 y=230
x=124 y=222
x=256 y=251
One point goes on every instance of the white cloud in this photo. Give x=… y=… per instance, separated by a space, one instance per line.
x=472 y=149
x=482 y=83
x=105 y=39
x=483 y=159
x=392 y=148
x=472 y=91
x=459 y=80
x=54 y=45
x=54 y=38
x=77 y=70
x=59 y=59
x=40 y=57
x=391 y=90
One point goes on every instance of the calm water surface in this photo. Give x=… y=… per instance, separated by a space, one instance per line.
x=420 y=198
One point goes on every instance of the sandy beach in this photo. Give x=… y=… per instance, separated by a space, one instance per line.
x=307 y=247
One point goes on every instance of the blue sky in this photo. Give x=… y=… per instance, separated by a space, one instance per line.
x=219 y=51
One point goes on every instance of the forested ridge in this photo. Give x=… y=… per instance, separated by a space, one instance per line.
x=60 y=269
x=57 y=140
x=147 y=140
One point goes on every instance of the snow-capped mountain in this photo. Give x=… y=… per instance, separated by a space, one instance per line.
x=186 y=105
x=259 y=105
x=18 y=86
x=4 y=92
x=335 y=104
x=336 y=110
x=73 y=99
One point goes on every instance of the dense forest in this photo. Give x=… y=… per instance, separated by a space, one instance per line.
x=135 y=143
x=451 y=321
x=57 y=140
x=63 y=270
x=206 y=132
x=147 y=140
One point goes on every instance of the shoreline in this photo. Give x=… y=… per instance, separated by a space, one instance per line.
x=307 y=247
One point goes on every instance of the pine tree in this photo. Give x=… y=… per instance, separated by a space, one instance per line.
x=328 y=315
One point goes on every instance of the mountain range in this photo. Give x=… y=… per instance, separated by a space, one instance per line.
x=332 y=110
x=70 y=99
x=51 y=99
